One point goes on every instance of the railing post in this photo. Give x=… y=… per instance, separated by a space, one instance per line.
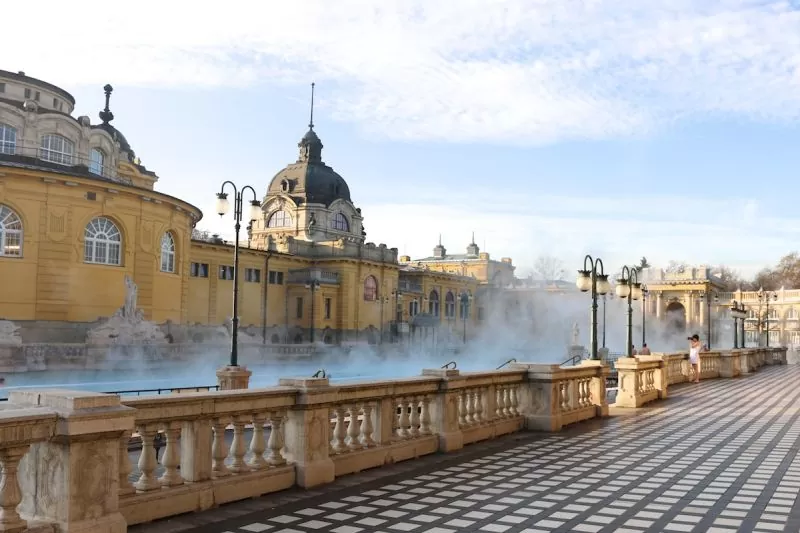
x=75 y=474
x=598 y=385
x=540 y=398
x=628 y=385
x=661 y=374
x=308 y=431
x=444 y=408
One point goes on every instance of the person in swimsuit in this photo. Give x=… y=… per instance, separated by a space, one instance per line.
x=694 y=356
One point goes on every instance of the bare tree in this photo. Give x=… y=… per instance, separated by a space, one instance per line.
x=549 y=268
x=731 y=279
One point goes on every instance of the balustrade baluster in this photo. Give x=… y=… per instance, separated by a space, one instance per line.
x=275 y=443
x=478 y=416
x=413 y=406
x=238 y=450
x=353 y=428
x=218 y=451
x=500 y=399
x=147 y=460
x=257 y=443
x=339 y=433
x=125 y=469
x=171 y=459
x=564 y=392
x=425 y=417
x=507 y=401
x=470 y=405
x=514 y=400
x=10 y=492
x=462 y=409
x=366 y=426
x=403 y=423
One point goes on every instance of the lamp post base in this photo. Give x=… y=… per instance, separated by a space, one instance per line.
x=233 y=377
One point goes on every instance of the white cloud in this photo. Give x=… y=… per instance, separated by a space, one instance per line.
x=521 y=71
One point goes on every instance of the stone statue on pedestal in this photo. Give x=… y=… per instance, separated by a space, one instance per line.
x=127 y=325
x=576 y=334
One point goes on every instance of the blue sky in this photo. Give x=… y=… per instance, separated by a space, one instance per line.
x=665 y=129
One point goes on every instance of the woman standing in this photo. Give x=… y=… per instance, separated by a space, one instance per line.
x=694 y=356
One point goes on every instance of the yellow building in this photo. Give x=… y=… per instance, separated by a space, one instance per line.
x=78 y=212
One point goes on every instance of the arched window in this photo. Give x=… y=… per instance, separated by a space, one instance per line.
x=450 y=305
x=433 y=303
x=8 y=139
x=10 y=233
x=340 y=222
x=57 y=149
x=370 y=289
x=791 y=313
x=97 y=161
x=773 y=313
x=413 y=308
x=464 y=303
x=103 y=242
x=167 y=253
x=279 y=219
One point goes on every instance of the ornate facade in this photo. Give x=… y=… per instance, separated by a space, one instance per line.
x=78 y=212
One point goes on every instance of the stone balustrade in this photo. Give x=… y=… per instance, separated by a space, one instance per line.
x=65 y=459
x=646 y=378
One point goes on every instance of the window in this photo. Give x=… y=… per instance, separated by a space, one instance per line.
x=463 y=303
x=8 y=139
x=279 y=219
x=199 y=270
x=253 y=275
x=55 y=103
x=102 y=242
x=370 y=289
x=10 y=233
x=2 y=87
x=275 y=278
x=481 y=314
x=413 y=308
x=340 y=222
x=167 y=253
x=299 y=309
x=791 y=314
x=96 y=161
x=38 y=96
x=225 y=272
x=327 y=308
x=433 y=303
x=450 y=305
x=27 y=93
x=773 y=314
x=57 y=149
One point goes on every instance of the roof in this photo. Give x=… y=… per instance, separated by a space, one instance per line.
x=20 y=76
x=450 y=257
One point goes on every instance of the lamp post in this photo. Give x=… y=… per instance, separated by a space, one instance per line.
x=628 y=286
x=708 y=297
x=466 y=303
x=738 y=313
x=398 y=313
x=383 y=301
x=223 y=206
x=644 y=314
x=312 y=285
x=604 y=318
x=593 y=278
x=766 y=296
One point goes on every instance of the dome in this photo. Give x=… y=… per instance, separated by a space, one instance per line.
x=309 y=179
x=117 y=135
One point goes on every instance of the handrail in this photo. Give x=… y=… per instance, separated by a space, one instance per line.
x=512 y=360
x=167 y=390
x=452 y=365
x=320 y=373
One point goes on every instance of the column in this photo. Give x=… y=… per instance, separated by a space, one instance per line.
x=659 y=304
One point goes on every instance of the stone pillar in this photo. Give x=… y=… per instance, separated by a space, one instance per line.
x=659 y=304
x=444 y=409
x=744 y=361
x=233 y=377
x=661 y=374
x=539 y=397
x=308 y=431
x=75 y=474
x=598 y=386
x=729 y=364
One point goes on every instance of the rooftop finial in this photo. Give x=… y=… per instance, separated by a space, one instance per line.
x=440 y=239
x=473 y=237
x=106 y=115
x=311 y=121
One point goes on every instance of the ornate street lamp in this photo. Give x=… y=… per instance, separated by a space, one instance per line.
x=738 y=313
x=466 y=303
x=593 y=278
x=708 y=298
x=398 y=313
x=313 y=286
x=604 y=317
x=223 y=206
x=628 y=286
x=645 y=292
x=766 y=296
x=383 y=301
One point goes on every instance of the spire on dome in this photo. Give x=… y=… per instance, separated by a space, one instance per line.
x=310 y=145
x=106 y=115
x=439 y=251
x=311 y=120
x=473 y=249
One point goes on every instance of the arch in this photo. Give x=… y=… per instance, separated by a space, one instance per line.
x=168 y=252
x=10 y=233
x=8 y=139
x=433 y=303
x=57 y=149
x=370 y=289
x=340 y=222
x=676 y=317
x=450 y=305
x=279 y=219
x=275 y=339
x=102 y=242
x=97 y=161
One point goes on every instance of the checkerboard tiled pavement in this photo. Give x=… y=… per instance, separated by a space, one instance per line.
x=721 y=456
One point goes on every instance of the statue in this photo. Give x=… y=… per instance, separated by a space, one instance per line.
x=576 y=332
x=131 y=295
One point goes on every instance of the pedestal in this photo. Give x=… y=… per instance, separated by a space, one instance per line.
x=233 y=377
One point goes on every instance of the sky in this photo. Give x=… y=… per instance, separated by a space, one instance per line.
x=619 y=128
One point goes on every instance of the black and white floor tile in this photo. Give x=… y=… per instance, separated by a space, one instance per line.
x=721 y=456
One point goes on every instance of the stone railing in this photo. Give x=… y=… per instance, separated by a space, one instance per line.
x=223 y=446
x=644 y=379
